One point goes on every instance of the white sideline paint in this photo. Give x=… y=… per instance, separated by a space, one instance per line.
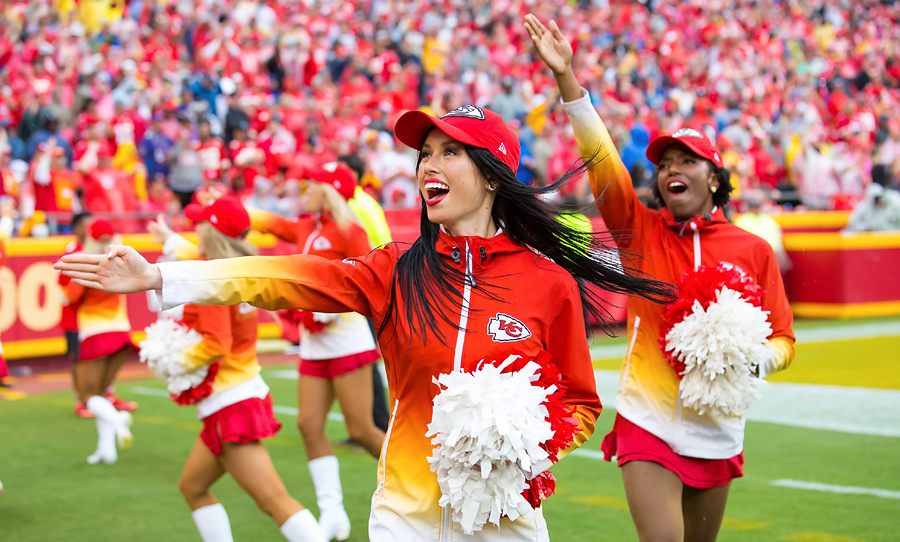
x=843 y=332
x=861 y=411
x=150 y=391
x=829 y=488
x=291 y=411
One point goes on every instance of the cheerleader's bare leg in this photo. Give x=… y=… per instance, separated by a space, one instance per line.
x=354 y=393
x=251 y=467
x=201 y=471
x=315 y=397
x=704 y=510
x=654 y=498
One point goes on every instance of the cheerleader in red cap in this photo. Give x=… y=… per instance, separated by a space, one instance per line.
x=679 y=439
x=494 y=277
x=336 y=350
x=104 y=332
x=233 y=401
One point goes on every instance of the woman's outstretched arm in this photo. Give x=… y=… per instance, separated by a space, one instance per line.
x=270 y=282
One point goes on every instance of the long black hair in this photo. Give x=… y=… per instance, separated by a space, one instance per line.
x=426 y=281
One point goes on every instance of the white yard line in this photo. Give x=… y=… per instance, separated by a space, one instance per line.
x=830 y=488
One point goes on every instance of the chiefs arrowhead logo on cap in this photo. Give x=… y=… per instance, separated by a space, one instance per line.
x=469 y=111
x=687 y=132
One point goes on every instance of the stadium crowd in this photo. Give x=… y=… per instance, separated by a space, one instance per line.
x=135 y=108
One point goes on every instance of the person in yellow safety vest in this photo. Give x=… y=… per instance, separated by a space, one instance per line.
x=371 y=215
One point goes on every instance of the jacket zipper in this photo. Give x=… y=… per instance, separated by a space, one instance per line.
x=457 y=359
x=634 y=334
x=678 y=410
x=696 y=245
x=384 y=448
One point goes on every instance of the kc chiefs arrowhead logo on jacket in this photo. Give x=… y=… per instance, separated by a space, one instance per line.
x=503 y=328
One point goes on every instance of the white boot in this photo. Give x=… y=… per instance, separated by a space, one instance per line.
x=212 y=523
x=106 y=444
x=103 y=410
x=302 y=527
x=333 y=520
x=106 y=421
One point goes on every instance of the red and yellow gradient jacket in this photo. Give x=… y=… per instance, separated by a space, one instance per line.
x=321 y=236
x=229 y=337
x=540 y=308
x=649 y=393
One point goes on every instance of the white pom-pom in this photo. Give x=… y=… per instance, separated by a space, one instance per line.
x=720 y=347
x=487 y=428
x=163 y=352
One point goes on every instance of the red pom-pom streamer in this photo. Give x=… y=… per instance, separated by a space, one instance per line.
x=703 y=284
x=200 y=391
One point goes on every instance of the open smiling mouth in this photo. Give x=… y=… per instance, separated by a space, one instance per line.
x=435 y=192
x=676 y=187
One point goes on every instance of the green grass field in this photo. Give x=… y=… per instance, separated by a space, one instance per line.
x=52 y=494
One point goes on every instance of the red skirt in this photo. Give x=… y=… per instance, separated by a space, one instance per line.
x=335 y=367
x=242 y=423
x=105 y=344
x=628 y=442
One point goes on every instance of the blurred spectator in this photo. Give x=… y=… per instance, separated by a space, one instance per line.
x=155 y=149
x=397 y=172
x=110 y=190
x=879 y=210
x=508 y=104
x=49 y=128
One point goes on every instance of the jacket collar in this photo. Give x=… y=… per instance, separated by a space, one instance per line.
x=482 y=249
x=700 y=222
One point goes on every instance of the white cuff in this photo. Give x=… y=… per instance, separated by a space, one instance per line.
x=768 y=365
x=575 y=105
x=177 y=285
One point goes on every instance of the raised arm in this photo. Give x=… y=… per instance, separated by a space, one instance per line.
x=610 y=180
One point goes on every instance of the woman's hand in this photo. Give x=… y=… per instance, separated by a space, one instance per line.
x=554 y=48
x=159 y=229
x=121 y=271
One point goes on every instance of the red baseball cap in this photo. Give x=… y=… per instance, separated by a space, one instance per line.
x=690 y=138
x=338 y=175
x=101 y=227
x=226 y=214
x=467 y=124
